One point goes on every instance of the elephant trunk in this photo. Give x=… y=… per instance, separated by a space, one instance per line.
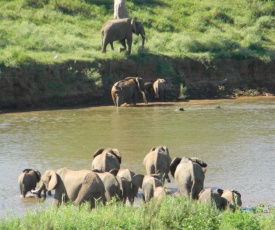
x=144 y=97
x=39 y=190
x=143 y=39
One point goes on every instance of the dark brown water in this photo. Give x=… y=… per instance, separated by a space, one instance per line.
x=237 y=141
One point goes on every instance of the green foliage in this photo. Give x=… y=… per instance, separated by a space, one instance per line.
x=41 y=29
x=171 y=213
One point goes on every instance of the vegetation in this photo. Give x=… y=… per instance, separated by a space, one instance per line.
x=48 y=31
x=171 y=213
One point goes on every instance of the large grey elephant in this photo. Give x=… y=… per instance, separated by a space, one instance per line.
x=120 y=10
x=130 y=184
x=111 y=184
x=125 y=91
x=189 y=175
x=158 y=161
x=160 y=89
x=75 y=186
x=104 y=160
x=28 y=180
x=121 y=30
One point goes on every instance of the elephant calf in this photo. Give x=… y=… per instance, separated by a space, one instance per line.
x=28 y=180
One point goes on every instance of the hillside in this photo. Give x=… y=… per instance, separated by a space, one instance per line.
x=57 y=35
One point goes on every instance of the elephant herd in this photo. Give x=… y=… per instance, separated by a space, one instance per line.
x=106 y=181
x=126 y=90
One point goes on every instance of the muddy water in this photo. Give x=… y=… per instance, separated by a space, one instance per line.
x=237 y=141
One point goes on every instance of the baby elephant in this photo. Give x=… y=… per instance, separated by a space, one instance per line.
x=28 y=180
x=221 y=198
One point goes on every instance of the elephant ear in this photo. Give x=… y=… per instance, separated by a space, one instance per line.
x=38 y=175
x=220 y=191
x=134 y=26
x=98 y=152
x=152 y=149
x=137 y=180
x=50 y=179
x=116 y=153
x=174 y=165
x=114 y=171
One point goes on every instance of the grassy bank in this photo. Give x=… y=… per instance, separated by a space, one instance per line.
x=54 y=31
x=172 y=213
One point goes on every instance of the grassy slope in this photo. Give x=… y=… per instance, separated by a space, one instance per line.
x=70 y=29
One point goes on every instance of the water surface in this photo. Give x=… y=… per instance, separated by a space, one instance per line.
x=237 y=141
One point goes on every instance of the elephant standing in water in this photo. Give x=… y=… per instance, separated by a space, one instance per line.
x=160 y=88
x=189 y=175
x=125 y=91
x=158 y=161
x=28 y=180
x=221 y=198
x=120 y=10
x=121 y=30
x=74 y=186
x=130 y=184
x=107 y=159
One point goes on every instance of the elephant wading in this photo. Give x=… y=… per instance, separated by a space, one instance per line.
x=125 y=91
x=107 y=159
x=158 y=161
x=189 y=175
x=111 y=184
x=74 y=186
x=130 y=184
x=121 y=30
x=160 y=88
x=28 y=180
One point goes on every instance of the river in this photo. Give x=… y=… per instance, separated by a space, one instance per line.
x=237 y=140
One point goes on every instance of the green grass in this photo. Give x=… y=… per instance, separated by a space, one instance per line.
x=41 y=30
x=171 y=213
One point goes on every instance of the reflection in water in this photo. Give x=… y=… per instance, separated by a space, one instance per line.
x=237 y=142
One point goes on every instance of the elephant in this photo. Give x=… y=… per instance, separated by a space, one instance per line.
x=120 y=10
x=129 y=187
x=160 y=89
x=158 y=160
x=75 y=186
x=111 y=184
x=231 y=199
x=189 y=174
x=28 y=180
x=121 y=30
x=151 y=186
x=212 y=197
x=106 y=159
x=149 y=90
x=125 y=91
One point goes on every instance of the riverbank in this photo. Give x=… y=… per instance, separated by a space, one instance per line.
x=81 y=83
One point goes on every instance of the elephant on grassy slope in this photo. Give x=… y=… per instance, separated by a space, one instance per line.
x=158 y=161
x=189 y=175
x=129 y=187
x=28 y=180
x=160 y=88
x=75 y=186
x=125 y=91
x=106 y=159
x=111 y=184
x=121 y=30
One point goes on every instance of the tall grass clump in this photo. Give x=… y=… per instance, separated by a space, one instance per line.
x=171 y=213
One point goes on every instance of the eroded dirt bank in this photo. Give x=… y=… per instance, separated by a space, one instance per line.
x=88 y=83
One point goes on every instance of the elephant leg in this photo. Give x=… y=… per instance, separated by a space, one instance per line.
x=129 y=43
x=122 y=42
x=112 y=46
